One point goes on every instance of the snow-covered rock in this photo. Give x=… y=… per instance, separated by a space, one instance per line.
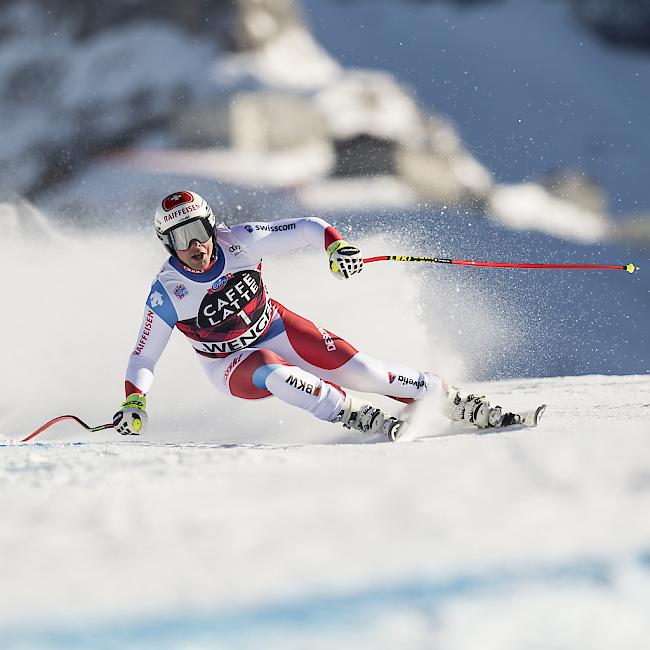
x=63 y=99
x=529 y=206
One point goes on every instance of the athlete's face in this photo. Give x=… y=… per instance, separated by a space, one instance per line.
x=198 y=255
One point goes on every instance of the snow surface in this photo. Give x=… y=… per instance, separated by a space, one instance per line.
x=232 y=526
x=540 y=539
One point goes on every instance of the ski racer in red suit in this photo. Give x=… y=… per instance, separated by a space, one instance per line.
x=252 y=347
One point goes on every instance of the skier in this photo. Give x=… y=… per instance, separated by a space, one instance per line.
x=251 y=346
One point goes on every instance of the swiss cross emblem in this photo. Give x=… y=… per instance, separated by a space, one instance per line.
x=174 y=200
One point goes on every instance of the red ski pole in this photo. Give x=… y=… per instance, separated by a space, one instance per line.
x=630 y=268
x=47 y=425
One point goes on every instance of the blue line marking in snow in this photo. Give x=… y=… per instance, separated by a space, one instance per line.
x=351 y=611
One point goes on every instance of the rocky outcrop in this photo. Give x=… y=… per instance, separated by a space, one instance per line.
x=573 y=185
x=73 y=85
x=530 y=206
x=634 y=231
x=65 y=96
x=258 y=24
x=265 y=120
x=619 y=22
x=622 y=23
x=85 y=19
x=370 y=121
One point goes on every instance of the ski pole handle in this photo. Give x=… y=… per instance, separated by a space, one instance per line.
x=47 y=425
x=630 y=268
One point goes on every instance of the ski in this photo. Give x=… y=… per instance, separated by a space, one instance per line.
x=511 y=421
x=526 y=419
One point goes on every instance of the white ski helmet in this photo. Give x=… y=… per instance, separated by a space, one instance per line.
x=182 y=217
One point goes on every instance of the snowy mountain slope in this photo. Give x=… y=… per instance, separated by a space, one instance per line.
x=180 y=544
x=529 y=89
x=64 y=98
x=567 y=102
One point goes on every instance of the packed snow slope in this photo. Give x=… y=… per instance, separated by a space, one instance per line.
x=248 y=526
x=538 y=538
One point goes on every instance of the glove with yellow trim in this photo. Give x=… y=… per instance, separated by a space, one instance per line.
x=131 y=419
x=345 y=260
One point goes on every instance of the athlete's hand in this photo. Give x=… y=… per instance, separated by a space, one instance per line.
x=131 y=419
x=345 y=260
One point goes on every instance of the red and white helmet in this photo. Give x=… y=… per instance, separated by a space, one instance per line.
x=182 y=217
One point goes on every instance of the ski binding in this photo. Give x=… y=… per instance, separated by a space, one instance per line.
x=526 y=419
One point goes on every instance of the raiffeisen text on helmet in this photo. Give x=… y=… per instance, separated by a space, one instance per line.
x=181 y=211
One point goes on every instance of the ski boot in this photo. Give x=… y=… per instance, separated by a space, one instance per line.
x=363 y=416
x=477 y=411
x=474 y=409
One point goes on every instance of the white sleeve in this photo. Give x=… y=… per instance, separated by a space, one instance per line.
x=152 y=340
x=285 y=234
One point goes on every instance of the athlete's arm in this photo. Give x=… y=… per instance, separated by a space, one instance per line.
x=157 y=324
x=266 y=238
x=152 y=340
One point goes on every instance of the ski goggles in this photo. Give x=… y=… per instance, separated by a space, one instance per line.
x=180 y=237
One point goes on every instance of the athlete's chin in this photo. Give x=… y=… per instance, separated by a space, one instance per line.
x=202 y=265
x=199 y=263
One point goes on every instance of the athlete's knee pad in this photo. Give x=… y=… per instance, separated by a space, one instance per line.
x=248 y=376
